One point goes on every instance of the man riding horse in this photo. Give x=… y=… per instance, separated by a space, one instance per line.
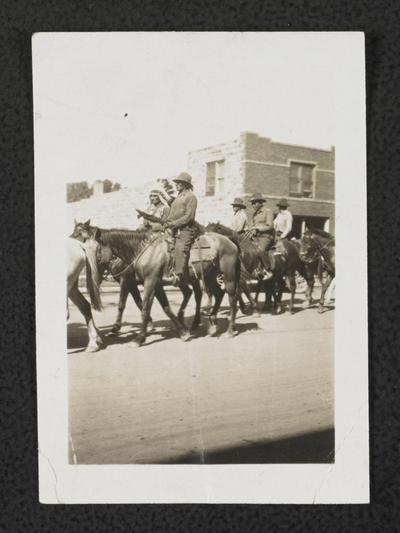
x=156 y=208
x=261 y=228
x=181 y=220
x=239 y=220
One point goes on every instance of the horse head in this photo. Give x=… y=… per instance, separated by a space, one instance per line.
x=83 y=231
x=309 y=249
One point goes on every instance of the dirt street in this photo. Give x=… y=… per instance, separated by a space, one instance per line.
x=264 y=396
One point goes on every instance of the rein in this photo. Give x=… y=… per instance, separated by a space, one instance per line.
x=326 y=244
x=136 y=258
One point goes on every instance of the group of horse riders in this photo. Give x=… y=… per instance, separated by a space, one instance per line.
x=178 y=212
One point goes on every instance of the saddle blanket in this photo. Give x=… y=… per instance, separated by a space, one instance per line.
x=203 y=249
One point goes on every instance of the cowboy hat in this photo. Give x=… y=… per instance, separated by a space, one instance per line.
x=283 y=203
x=184 y=177
x=257 y=197
x=239 y=202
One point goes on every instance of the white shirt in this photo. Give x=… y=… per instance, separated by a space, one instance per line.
x=283 y=223
x=239 y=221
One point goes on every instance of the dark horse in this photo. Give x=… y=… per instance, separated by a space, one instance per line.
x=318 y=245
x=151 y=259
x=285 y=266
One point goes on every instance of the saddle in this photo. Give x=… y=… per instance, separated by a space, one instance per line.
x=203 y=249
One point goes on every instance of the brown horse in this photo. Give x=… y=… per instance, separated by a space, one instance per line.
x=79 y=255
x=152 y=259
x=124 y=274
x=318 y=245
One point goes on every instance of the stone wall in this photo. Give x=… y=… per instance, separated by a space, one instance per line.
x=110 y=210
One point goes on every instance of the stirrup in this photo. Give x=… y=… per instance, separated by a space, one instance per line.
x=172 y=279
x=266 y=274
x=221 y=281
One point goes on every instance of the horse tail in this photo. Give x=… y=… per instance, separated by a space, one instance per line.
x=92 y=274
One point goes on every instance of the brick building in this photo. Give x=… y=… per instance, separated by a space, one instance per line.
x=249 y=164
x=305 y=176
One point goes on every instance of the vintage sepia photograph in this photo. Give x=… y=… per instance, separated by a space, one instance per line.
x=198 y=196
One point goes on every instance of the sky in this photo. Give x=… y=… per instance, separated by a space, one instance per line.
x=130 y=106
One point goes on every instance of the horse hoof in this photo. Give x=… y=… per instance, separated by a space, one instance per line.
x=93 y=349
x=185 y=336
x=320 y=310
x=137 y=342
x=150 y=327
x=232 y=333
x=212 y=330
x=195 y=326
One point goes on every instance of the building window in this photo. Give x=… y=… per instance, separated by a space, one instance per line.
x=214 y=177
x=301 y=181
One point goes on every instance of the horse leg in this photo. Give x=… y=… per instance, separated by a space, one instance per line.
x=247 y=292
x=258 y=290
x=244 y=288
x=137 y=298
x=277 y=291
x=269 y=292
x=123 y=296
x=231 y=277
x=187 y=293
x=310 y=288
x=240 y=298
x=218 y=294
x=148 y=297
x=95 y=340
x=198 y=295
x=292 y=284
x=324 y=287
x=163 y=300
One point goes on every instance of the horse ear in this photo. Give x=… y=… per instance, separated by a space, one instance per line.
x=97 y=234
x=87 y=223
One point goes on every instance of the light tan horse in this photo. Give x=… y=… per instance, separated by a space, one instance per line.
x=80 y=254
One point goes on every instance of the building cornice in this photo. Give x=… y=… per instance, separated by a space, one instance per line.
x=294 y=199
x=287 y=165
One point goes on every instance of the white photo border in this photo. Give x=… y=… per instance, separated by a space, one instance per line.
x=344 y=481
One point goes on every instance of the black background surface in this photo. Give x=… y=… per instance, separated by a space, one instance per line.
x=380 y=20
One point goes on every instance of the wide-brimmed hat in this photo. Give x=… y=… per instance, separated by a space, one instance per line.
x=257 y=197
x=239 y=202
x=283 y=203
x=184 y=177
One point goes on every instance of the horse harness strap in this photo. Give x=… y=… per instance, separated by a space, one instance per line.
x=326 y=244
x=135 y=259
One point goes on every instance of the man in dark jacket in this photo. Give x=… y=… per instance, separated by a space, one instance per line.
x=181 y=220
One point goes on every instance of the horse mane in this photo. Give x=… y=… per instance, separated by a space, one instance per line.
x=123 y=239
x=321 y=233
x=217 y=227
